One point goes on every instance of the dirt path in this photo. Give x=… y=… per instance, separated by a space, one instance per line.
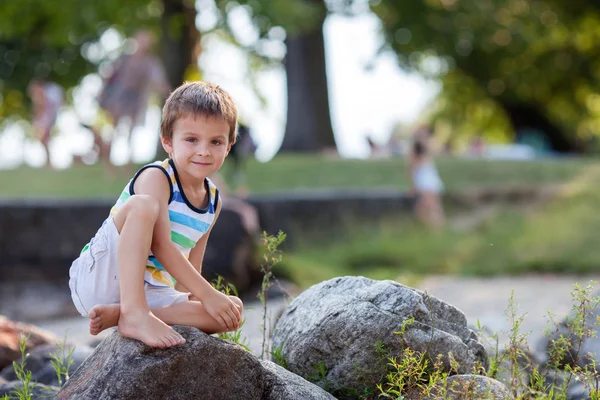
x=486 y=299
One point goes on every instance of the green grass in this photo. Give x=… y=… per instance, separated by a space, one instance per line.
x=560 y=235
x=303 y=172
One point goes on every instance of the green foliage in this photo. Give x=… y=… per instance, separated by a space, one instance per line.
x=25 y=390
x=278 y=356
x=320 y=375
x=508 y=240
x=61 y=361
x=413 y=373
x=271 y=257
x=60 y=40
x=306 y=172
x=494 y=54
x=235 y=336
x=51 y=40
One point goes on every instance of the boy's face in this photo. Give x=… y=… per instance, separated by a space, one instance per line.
x=199 y=145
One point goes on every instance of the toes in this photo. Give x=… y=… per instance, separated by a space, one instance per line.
x=174 y=340
x=179 y=339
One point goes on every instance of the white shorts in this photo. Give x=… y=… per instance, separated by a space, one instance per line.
x=94 y=275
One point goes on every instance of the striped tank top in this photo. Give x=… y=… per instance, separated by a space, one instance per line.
x=188 y=223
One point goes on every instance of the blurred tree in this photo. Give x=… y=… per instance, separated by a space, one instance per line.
x=505 y=65
x=308 y=123
x=62 y=40
x=57 y=41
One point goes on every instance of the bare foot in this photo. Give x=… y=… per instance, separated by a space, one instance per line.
x=103 y=316
x=145 y=327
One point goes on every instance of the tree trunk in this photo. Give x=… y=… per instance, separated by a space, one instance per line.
x=528 y=116
x=180 y=39
x=308 y=125
x=179 y=45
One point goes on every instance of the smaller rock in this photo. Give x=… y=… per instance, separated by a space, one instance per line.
x=10 y=333
x=285 y=385
x=39 y=362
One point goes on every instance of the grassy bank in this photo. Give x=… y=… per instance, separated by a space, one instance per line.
x=556 y=236
x=559 y=235
x=305 y=172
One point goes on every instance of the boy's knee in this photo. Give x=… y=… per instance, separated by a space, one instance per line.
x=144 y=204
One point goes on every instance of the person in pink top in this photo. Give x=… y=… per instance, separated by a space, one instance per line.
x=46 y=99
x=127 y=89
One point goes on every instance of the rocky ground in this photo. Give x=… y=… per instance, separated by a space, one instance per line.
x=483 y=299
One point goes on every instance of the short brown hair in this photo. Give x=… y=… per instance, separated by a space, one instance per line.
x=199 y=99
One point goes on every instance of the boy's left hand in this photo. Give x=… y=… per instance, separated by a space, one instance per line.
x=223 y=309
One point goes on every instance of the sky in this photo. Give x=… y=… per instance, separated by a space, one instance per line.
x=368 y=94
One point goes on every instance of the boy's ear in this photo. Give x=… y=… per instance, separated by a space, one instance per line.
x=228 y=149
x=166 y=144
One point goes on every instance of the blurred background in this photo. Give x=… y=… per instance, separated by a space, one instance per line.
x=422 y=141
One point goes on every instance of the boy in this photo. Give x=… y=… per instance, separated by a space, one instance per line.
x=157 y=231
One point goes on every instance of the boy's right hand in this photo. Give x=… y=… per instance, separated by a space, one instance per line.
x=223 y=309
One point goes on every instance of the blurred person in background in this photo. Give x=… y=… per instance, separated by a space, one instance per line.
x=425 y=180
x=127 y=89
x=46 y=99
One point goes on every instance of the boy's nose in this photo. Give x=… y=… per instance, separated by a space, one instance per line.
x=203 y=150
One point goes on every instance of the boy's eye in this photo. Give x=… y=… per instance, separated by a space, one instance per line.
x=217 y=142
x=191 y=139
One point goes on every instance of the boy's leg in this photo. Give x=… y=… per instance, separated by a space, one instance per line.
x=192 y=313
x=189 y=313
x=135 y=223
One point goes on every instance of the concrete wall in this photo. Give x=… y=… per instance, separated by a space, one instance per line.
x=40 y=238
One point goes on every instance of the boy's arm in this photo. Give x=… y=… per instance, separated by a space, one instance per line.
x=152 y=182
x=197 y=253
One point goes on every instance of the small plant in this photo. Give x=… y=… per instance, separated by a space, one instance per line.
x=271 y=257
x=278 y=357
x=61 y=361
x=235 y=336
x=25 y=391
x=410 y=371
x=320 y=375
x=223 y=286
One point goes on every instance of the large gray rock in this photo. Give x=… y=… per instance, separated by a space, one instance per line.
x=203 y=368
x=329 y=333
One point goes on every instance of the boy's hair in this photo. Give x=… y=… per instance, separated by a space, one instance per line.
x=199 y=99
